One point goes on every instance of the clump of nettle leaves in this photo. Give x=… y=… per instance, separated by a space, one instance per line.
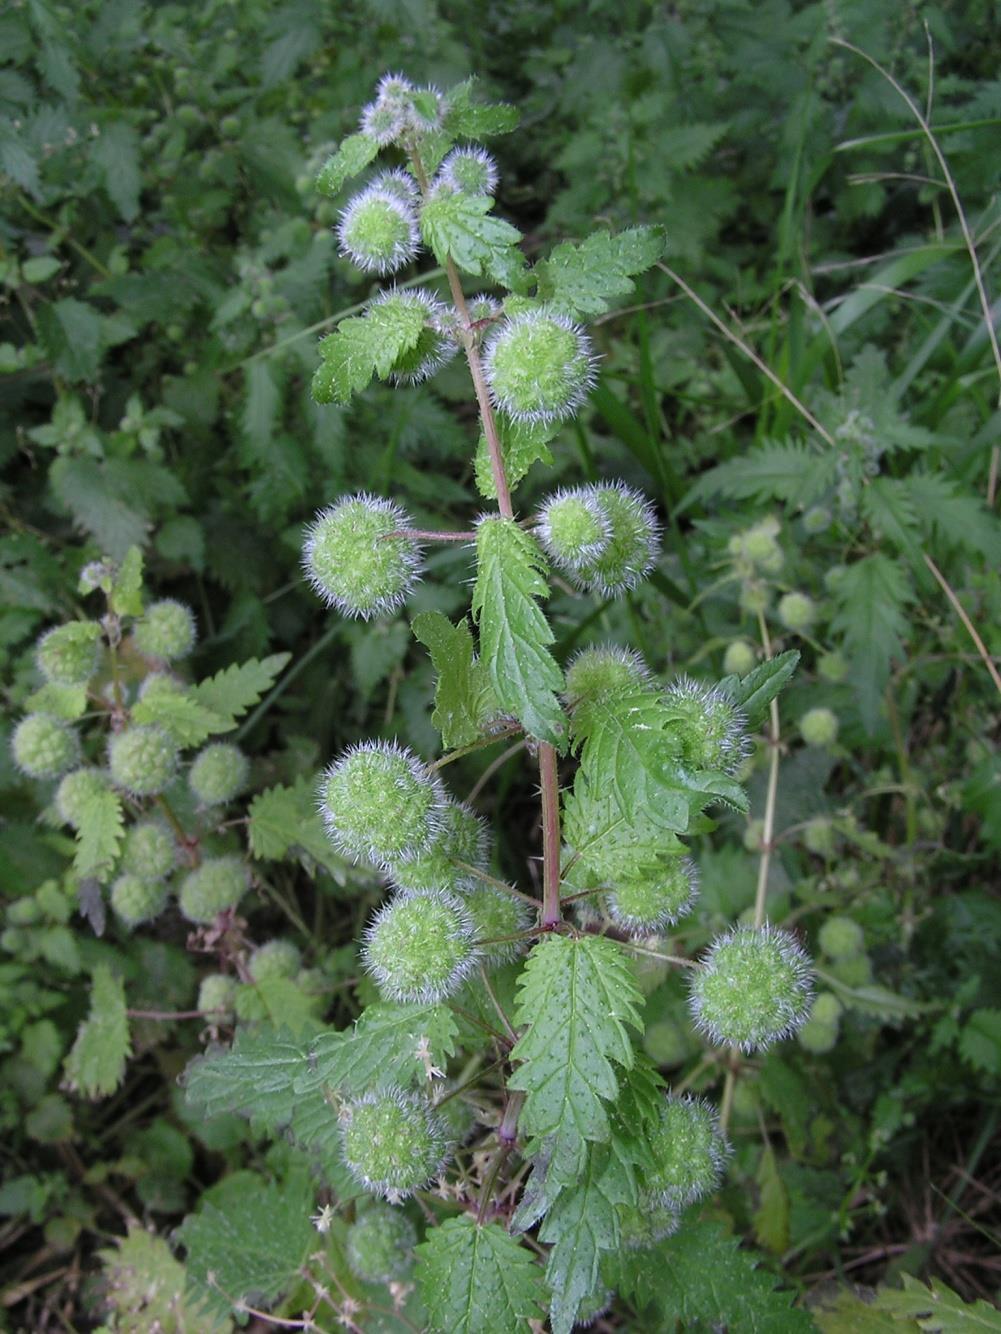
x=495 y=1096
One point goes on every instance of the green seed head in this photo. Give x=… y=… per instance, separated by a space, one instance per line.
x=275 y=958
x=496 y=917
x=218 y=773
x=854 y=972
x=69 y=654
x=594 y=1306
x=645 y=907
x=827 y=1009
x=797 y=612
x=217 y=992
x=135 y=900
x=757 y=548
x=393 y=1142
x=351 y=561
x=470 y=171
x=460 y=837
x=216 y=886
x=666 y=1042
x=841 y=938
x=819 y=727
x=150 y=850
x=380 y=1244
x=383 y=121
x=539 y=367
x=833 y=667
x=420 y=947
x=645 y=1227
x=818 y=1038
x=142 y=760
x=438 y=340
x=689 y=1152
x=166 y=631
x=381 y=804
x=76 y=791
x=739 y=658
x=378 y=231
x=596 y=673
x=817 y=519
x=573 y=528
x=709 y=726
x=753 y=988
x=632 y=547
x=44 y=746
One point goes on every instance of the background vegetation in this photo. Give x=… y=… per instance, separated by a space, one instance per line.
x=166 y=269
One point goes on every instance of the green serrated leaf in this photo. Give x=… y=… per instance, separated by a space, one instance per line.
x=232 y=691
x=463 y=698
x=522 y=445
x=353 y=155
x=514 y=634
x=584 y=279
x=466 y=120
x=871 y=595
x=187 y=720
x=96 y=1063
x=889 y=512
x=284 y=821
x=101 y=828
x=775 y=470
x=461 y=227
x=952 y=519
x=477 y=1279
x=116 y=154
x=980 y=1041
x=145 y=1289
x=755 y=691
x=254 y=1078
x=67 y=702
x=364 y=346
x=937 y=1309
x=381 y=1047
x=126 y=592
x=577 y=999
x=877 y=1001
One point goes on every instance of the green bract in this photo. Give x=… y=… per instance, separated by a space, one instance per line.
x=135 y=900
x=353 y=563
x=69 y=654
x=753 y=988
x=142 y=760
x=166 y=631
x=44 y=747
x=380 y=1244
x=216 y=886
x=689 y=1152
x=392 y=1142
x=632 y=547
x=378 y=231
x=381 y=804
x=75 y=791
x=539 y=367
x=644 y=907
x=420 y=947
x=150 y=850
x=218 y=773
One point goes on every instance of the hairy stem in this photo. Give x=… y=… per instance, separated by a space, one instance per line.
x=551 y=911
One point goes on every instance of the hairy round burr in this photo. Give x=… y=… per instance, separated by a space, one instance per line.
x=539 y=366
x=421 y=946
x=218 y=773
x=470 y=171
x=142 y=760
x=380 y=1244
x=68 y=655
x=632 y=547
x=437 y=343
x=378 y=231
x=573 y=528
x=711 y=728
x=150 y=850
x=689 y=1152
x=381 y=804
x=166 y=631
x=44 y=746
x=753 y=987
x=644 y=907
x=214 y=887
x=353 y=563
x=135 y=900
x=392 y=1141
x=460 y=837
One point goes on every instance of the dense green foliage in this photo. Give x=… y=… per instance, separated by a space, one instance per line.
x=191 y=368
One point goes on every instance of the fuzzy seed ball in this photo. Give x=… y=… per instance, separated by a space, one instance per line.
x=420 y=947
x=495 y=917
x=166 y=631
x=755 y=597
x=711 y=729
x=218 y=773
x=44 y=746
x=833 y=667
x=471 y=171
x=214 y=887
x=437 y=343
x=826 y=1009
x=135 y=900
x=757 y=548
x=392 y=1142
x=854 y=972
x=75 y=792
x=739 y=658
x=400 y=183
x=595 y=673
x=539 y=367
x=841 y=938
x=574 y=529
x=217 y=992
x=380 y=1244
x=632 y=548
x=142 y=760
x=648 y=1225
x=69 y=654
x=275 y=958
x=754 y=988
x=818 y=1036
x=150 y=850
x=644 y=907
x=689 y=1152
x=483 y=307
x=460 y=837
x=381 y=804
x=353 y=564
x=594 y=1306
x=383 y=121
x=817 y=519
x=797 y=612
x=819 y=727
x=378 y=231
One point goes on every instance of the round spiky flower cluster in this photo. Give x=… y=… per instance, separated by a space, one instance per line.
x=378 y=230
x=275 y=958
x=142 y=760
x=380 y=1244
x=393 y=1142
x=351 y=561
x=381 y=804
x=820 y=1032
x=539 y=366
x=710 y=727
x=797 y=612
x=68 y=655
x=400 y=110
x=459 y=837
x=594 y=1306
x=689 y=1151
x=214 y=887
x=135 y=900
x=644 y=907
x=75 y=792
x=470 y=171
x=150 y=850
x=218 y=773
x=44 y=747
x=819 y=727
x=217 y=992
x=596 y=672
x=498 y=919
x=420 y=947
x=753 y=988
x=573 y=528
x=437 y=344
x=632 y=547
x=166 y=631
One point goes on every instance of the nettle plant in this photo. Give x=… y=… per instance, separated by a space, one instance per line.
x=494 y=1095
